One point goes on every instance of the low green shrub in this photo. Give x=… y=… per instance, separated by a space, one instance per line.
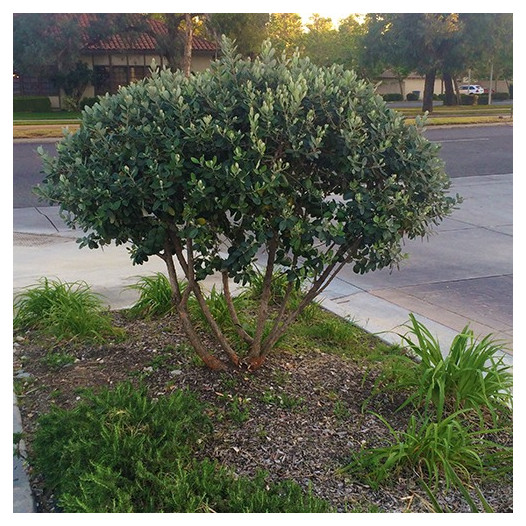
x=392 y=97
x=448 y=450
x=412 y=96
x=88 y=101
x=63 y=310
x=471 y=100
x=34 y=104
x=120 y=451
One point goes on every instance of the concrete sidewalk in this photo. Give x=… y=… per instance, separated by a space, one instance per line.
x=463 y=275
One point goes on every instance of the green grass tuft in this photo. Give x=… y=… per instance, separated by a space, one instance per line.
x=449 y=449
x=471 y=375
x=155 y=296
x=65 y=311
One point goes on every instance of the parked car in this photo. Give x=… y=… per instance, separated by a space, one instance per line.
x=471 y=89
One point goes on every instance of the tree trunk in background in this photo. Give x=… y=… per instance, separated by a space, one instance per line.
x=401 y=84
x=450 y=98
x=429 y=87
x=189 y=32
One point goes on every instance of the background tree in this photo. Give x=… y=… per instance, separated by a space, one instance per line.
x=170 y=44
x=176 y=45
x=51 y=44
x=247 y=29
x=285 y=31
x=469 y=46
x=375 y=51
x=320 y=42
x=42 y=40
x=351 y=32
x=489 y=43
x=303 y=163
x=416 y=41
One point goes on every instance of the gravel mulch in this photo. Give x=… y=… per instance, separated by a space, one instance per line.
x=298 y=417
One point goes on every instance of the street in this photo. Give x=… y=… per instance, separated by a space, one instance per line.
x=26 y=171
x=475 y=150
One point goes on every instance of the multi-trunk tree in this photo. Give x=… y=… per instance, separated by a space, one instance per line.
x=305 y=164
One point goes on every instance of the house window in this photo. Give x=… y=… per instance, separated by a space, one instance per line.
x=119 y=77
x=109 y=78
x=137 y=73
x=101 y=80
x=33 y=85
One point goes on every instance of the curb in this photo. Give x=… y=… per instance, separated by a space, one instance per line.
x=23 y=500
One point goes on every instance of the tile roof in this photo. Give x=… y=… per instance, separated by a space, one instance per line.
x=144 y=41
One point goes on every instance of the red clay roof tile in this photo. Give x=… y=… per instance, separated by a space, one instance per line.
x=143 y=41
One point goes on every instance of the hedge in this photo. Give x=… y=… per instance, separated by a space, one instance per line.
x=31 y=104
x=390 y=97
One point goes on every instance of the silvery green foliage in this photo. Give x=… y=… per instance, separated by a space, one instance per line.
x=246 y=152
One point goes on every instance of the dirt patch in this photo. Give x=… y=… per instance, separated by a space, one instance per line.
x=298 y=417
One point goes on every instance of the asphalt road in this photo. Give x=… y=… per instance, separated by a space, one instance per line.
x=467 y=151
x=475 y=150
x=27 y=168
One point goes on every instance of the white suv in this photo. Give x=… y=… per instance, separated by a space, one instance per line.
x=471 y=89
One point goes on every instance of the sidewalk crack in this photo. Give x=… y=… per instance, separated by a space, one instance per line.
x=51 y=222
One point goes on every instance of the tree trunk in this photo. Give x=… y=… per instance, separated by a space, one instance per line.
x=429 y=88
x=490 y=85
x=189 y=33
x=457 y=92
x=401 y=85
x=450 y=98
x=181 y=303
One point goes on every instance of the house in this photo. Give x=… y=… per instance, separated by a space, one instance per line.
x=117 y=61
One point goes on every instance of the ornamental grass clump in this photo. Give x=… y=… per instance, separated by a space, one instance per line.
x=272 y=155
x=65 y=311
x=471 y=375
x=448 y=450
x=155 y=296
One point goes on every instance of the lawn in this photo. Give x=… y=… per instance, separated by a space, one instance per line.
x=462 y=115
x=121 y=416
x=53 y=117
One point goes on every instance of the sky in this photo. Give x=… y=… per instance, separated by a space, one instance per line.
x=334 y=9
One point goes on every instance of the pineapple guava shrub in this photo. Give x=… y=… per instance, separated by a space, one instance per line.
x=305 y=164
